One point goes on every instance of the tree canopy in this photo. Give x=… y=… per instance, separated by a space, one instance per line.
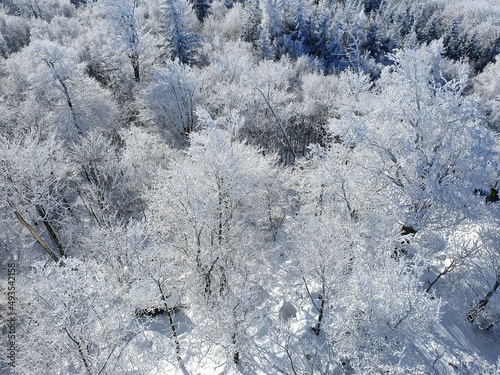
x=253 y=187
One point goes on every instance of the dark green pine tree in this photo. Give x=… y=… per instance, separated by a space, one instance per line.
x=201 y=8
x=454 y=42
x=181 y=41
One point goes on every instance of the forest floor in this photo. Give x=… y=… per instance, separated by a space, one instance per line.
x=467 y=344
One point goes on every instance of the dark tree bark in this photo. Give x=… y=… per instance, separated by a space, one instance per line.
x=321 y=311
x=480 y=306
x=34 y=233
x=170 y=314
x=441 y=274
x=236 y=355
x=53 y=236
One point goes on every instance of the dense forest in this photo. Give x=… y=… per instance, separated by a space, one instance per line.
x=249 y=187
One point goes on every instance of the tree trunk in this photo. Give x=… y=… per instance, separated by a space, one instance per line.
x=208 y=278
x=65 y=90
x=221 y=209
x=321 y=308
x=135 y=65
x=37 y=237
x=236 y=354
x=321 y=312
x=50 y=230
x=81 y=351
x=170 y=314
x=441 y=274
x=474 y=312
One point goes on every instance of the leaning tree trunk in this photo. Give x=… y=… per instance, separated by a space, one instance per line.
x=34 y=233
x=447 y=269
x=480 y=306
x=53 y=236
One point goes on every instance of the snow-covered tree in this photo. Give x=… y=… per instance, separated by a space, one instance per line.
x=487 y=88
x=15 y=33
x=216 y=205
x=430 y=145
x=151 y=236
x=46 y=89
x=101 y=185
x=201 y=8
x=71 y=321
x=170 y=101
x=361 y=302
x=44 y=9
x=180 y=31
x=132 y=33
x=34 y=183
x=269 y=42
